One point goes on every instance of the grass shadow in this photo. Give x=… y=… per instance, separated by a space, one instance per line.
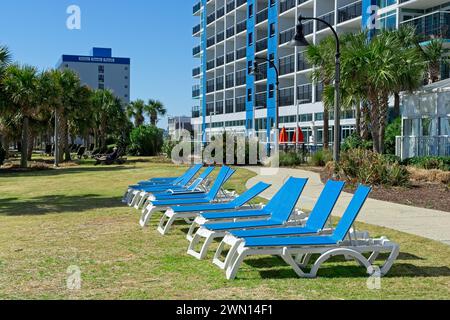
x=13 y=173
x=56 y=204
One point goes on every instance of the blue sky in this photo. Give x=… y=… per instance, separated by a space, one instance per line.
x=156 y=35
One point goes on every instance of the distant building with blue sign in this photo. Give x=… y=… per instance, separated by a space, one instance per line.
x=100 y=70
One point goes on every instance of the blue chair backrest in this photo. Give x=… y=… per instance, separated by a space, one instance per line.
x=353 y=209
x=250 y=194
x=184 y=179
x=325 y=205
x=283 y=203
x=220 y=180
x=205 y=174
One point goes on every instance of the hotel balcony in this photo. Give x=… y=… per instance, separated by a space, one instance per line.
x=432 y=25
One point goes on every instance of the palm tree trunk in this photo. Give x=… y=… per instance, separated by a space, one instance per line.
x=396 y=105
x=384 y=109
x=66 y=145
x=5 y=145
x=24 y=144
x=358 y=118
x=326 y=129
x=31 y=137
x=365 y=121
x=374 y=118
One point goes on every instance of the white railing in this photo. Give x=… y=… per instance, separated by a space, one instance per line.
x=410 y=147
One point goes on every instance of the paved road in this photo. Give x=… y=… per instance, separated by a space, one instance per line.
x=426 y=223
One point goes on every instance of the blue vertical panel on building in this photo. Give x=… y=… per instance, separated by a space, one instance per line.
x=204 y=60
x=368 y=12
x=271 y=73
x=250 y=57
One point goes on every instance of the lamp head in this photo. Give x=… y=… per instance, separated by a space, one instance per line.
x=299 y=39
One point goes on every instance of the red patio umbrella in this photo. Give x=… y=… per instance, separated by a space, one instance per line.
x=284 y=136
x=301 y=136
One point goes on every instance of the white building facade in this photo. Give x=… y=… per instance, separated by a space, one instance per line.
x=233 y=32
x=100 y=70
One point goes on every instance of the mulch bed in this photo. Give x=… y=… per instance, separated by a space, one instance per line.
x=419 y=194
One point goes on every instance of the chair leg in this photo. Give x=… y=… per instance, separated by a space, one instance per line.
x=146 y=216
x=234 y=267
x=166 y=223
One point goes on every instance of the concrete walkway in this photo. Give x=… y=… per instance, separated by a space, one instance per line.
x=426 y=223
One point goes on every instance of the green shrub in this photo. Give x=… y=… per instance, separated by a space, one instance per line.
x=146 y=141
x=2 y=155
x=429 y=163
x=321 y=158
x=354 y=141
x=290 y=159
x=393 y=130
x=368 y=167
x=167 y=147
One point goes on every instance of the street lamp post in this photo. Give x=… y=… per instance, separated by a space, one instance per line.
x=300 y=41
x=256 y=71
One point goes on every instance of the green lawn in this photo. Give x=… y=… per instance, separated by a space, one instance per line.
x=50 y=220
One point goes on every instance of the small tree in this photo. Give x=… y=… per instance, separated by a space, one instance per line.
x=146 y=141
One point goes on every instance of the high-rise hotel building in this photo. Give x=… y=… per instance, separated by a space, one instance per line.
x=233 y=32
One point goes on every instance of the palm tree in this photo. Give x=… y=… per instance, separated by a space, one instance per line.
x=135 y=110
x=154 y=109
x=322 y=57
x=5 y=59
x=434 y=54
x=21 y=86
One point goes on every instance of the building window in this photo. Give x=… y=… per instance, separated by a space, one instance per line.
x=250 y=67
x=272 y=30
x=101 y=69
x=271 y=91
x=101 y=86
x=249 y=95
x=126 y=87
x=101 y=77
x=272 y=59
x=250 y=11
x=272 y=2
x=250 y=39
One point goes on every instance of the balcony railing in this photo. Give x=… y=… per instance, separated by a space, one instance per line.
x=220 y=13
x=196 y=29
x=210 y=86
x=195 y=112
x=435 y=24
x=263 y=15
x=241 y=26
x=230 y=32
x=229 y=57
x=329 y=17
x=241 y=53
x=220 y=37
x=220 y=61
x=196 y=7
x=210 y=64
x=196 y=50
x=241 y=77
x=287 y=65
x=210 y=42
x=261 y=100
x=350 y=12
x=302 y=63
x=229 y=106
x=195 y=91
x=219 y=107
x=230 y=6
x=304 y=94
x=240 y=104
x=219 y=83
x=287 y=97
x=286 y=36
x=196 y=71
x=211 y=18
x=262 y=74
x=240 y=3
x=229 y=80
x=286 y=5
x=261 y=45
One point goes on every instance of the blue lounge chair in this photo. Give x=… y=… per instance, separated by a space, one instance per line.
x=139 y=192
x=168 y=181
x=190 y=212
x=298 y=250
x=276 y=213
x=154 y=206
x=315 y=224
